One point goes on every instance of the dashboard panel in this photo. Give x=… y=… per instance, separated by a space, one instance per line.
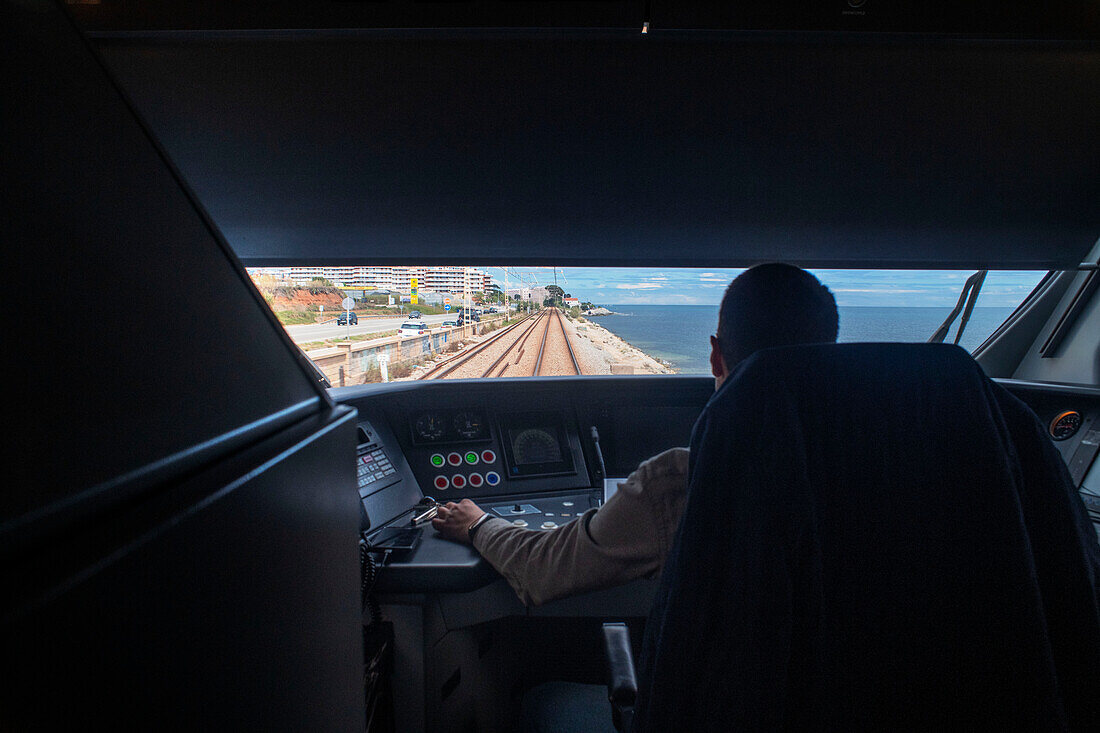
x=475 y=450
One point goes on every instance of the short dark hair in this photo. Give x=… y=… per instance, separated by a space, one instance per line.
x=774 y=305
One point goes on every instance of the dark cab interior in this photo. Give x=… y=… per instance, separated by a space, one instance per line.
x=191 y=558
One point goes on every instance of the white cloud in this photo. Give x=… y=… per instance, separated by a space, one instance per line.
x=637 y=286
x=878 y=290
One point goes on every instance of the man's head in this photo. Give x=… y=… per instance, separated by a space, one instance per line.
x=770 y=305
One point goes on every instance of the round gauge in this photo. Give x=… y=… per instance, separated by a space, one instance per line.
x=468 y=424
x=536 y=446
x=430 y=426
x=1065 y=424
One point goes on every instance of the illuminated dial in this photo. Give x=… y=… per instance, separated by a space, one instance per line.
x=430 y=426
x=536 y=446
x=468 y=424
x=1065 y=424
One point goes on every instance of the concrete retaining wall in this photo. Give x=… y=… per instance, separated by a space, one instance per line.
x=348 y=363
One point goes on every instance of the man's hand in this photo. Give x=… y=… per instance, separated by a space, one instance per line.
x=453 y=520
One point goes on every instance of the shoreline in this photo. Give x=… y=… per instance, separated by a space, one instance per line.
x=608 y=353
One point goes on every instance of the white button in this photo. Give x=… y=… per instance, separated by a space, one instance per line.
x=549 y=525
x=567 y=503
x=520 y=523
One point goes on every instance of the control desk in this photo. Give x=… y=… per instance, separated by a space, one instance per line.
x=538 y=466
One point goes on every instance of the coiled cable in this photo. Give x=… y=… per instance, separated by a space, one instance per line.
x=369 y=576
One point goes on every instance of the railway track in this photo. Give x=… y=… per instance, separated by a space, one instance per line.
x=561 y=338
x=442 y=370
x=511 y=352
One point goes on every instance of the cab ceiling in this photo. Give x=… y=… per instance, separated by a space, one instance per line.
x=608 y=147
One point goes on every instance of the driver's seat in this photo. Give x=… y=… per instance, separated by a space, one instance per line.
x=877 y=537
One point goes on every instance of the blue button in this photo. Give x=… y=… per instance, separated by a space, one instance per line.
x=492 y=478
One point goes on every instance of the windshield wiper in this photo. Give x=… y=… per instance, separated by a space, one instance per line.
x=969 y=296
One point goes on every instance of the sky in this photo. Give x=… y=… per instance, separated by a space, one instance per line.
x=689 y=286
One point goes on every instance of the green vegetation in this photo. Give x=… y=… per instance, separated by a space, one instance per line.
x=556 y=295
x=307 y=346
x=428 y=310
x=493 y=294
x=296 y=318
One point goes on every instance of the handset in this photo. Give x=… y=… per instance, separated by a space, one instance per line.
x=364 y=519
x=396 y=539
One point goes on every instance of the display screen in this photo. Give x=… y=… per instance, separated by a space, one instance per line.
x=535 y=444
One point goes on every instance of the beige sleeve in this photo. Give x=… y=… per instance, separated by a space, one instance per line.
x=626 y=538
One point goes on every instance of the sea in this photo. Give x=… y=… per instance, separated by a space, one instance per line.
x=678 y=334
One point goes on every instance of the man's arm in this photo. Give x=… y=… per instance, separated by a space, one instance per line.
x=625 y=539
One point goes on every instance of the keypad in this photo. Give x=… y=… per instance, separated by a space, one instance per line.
x=373 y=465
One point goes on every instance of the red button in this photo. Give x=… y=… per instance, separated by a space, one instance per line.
x=458 y=481
x=488 y=456
x=442 y=482
x=454 y=459
x=475 y=479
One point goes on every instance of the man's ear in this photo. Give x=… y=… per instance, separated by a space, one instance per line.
x=717 y=361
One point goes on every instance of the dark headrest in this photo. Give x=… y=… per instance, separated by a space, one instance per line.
x=853 y=385
x=851 y=367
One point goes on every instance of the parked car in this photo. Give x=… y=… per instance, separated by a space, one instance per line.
x=343 y=318
x=412 y=328
x=451 y=323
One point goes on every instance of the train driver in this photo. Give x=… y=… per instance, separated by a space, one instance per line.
x=630 y=535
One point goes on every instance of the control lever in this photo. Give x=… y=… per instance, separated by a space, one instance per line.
x=425 y=511
x=601 y=470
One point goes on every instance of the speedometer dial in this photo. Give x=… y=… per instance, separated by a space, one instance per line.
x=430 y=426
x=1065 y=425
x=535 y=445
x=468 y=425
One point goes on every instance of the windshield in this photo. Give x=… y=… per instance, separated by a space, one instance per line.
x=515 y=322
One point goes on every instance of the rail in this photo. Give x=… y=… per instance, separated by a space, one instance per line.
x=565 y=337
x=441 y=370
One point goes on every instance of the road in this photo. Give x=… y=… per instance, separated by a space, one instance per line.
x=329 y=330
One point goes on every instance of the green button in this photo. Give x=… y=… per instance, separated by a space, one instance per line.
x=471 y=458
x=437 y=460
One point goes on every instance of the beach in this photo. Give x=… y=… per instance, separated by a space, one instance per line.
x=599 y=351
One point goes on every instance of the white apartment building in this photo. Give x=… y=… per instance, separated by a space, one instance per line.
x=442 y=279
x=533 y=294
